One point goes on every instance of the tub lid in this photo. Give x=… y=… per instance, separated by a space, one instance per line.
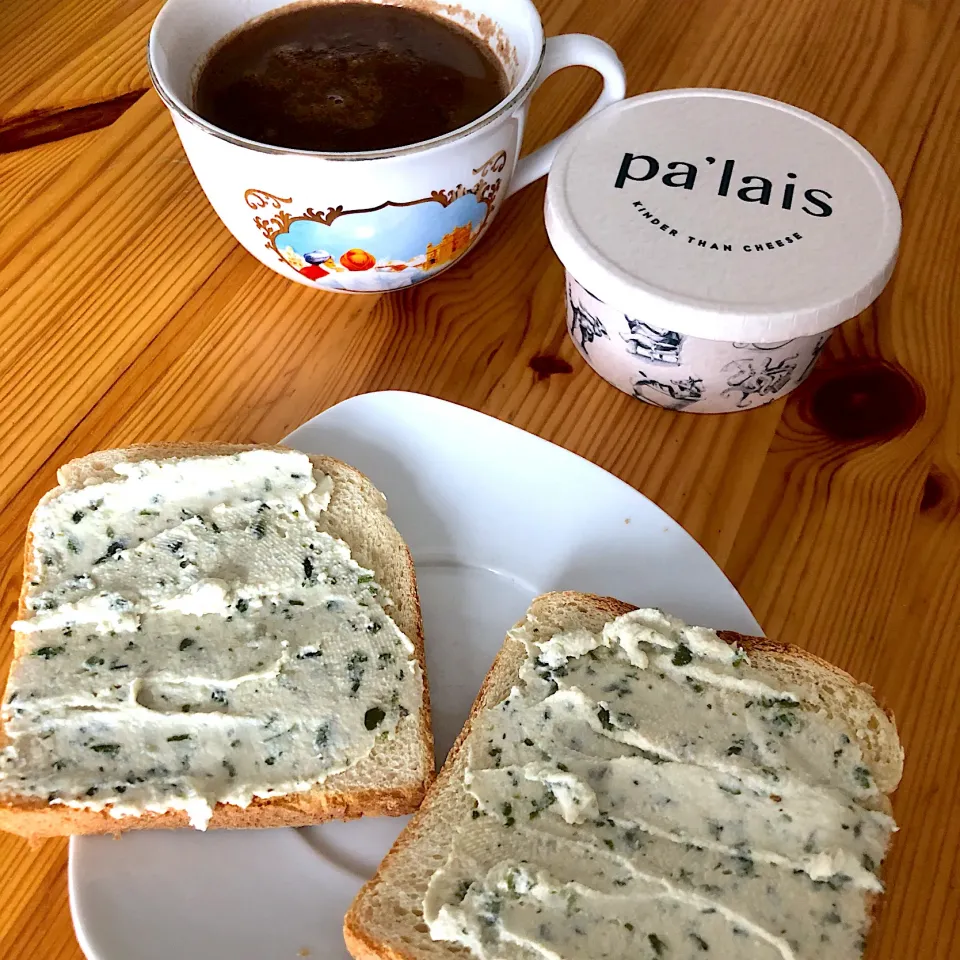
x=723 y=215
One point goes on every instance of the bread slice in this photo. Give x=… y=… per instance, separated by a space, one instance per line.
x=385 y=921
x=391 y=780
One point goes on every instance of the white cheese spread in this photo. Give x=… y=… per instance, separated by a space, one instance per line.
x=194 y=638
x=647 y=792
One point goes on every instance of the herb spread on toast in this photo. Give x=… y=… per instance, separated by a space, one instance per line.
x=193 y=638
x=646 y=791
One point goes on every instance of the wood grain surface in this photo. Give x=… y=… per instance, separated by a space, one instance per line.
x=128 y=313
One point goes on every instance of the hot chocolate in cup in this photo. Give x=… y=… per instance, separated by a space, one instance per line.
x=712 y=241
x=375 y=220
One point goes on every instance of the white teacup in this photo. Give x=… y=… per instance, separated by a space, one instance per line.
x=382 y=219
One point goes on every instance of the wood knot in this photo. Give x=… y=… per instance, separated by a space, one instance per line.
x=545 y=365
x=936 y=491
x=872 y=402
x=47 y=125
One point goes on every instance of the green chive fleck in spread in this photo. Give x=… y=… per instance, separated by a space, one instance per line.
x=194 y=638
x=648 y=793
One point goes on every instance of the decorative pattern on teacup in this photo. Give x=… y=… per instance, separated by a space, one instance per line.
x=494 y=165
x=392 y=245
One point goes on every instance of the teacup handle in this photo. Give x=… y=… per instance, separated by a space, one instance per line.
x=572 y=50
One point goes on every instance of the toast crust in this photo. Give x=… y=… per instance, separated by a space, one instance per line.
x=342 y=796
x=35 y=819
x=363 y=944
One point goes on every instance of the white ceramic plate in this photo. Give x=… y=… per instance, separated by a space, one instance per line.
x=493 y=516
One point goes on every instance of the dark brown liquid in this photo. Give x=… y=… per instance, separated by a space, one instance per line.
x=346 y=77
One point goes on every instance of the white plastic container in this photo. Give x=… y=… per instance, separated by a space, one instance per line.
x=712 y=241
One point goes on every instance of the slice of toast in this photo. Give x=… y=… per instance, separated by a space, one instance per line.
x=386 y=920
x=390 y=780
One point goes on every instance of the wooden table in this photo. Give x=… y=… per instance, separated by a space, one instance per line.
x=128 y=313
